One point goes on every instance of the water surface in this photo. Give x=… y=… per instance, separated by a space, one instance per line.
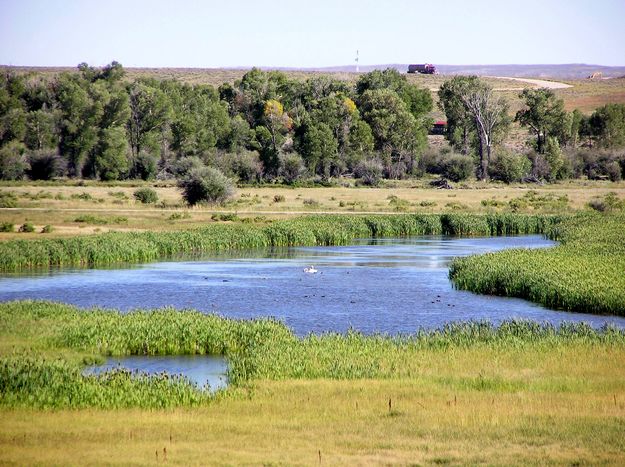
x=202 y=370
x=394 y=285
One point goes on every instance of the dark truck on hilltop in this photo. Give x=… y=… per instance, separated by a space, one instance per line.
x=425 y=68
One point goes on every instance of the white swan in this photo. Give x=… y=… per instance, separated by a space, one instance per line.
x=310 y=270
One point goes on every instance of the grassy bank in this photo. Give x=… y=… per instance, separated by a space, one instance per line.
x=132 y=247
x=467 y=394
x=50 y=342
x=586 y=273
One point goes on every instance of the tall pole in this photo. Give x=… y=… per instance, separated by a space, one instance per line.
x=357 y=70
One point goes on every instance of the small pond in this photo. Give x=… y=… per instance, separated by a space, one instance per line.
x=201 y=370
x=394 y=285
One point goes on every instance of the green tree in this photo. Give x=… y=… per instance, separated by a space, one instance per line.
x=395 y=130
x=418 y=101
x=460 y=121
x=150 y=113
x=555 y=159
x=607 y=126
x=319 y=149
x=79 y=117
x=544 y=115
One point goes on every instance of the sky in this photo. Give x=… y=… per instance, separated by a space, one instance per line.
x=317 y=33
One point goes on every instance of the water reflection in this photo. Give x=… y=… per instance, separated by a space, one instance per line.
x=201 y=370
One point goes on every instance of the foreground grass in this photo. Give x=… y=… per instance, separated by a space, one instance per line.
x=520 y=394
x=585 y=273
x=348 y=422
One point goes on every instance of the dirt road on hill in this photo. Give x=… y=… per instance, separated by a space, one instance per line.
x=540 y=83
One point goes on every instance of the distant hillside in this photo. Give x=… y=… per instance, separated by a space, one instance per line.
x=565 y=71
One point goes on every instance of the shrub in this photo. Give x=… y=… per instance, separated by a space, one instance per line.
x=143 y=166
x=146 y=195
x=13 y=163
x=6 y=227
x=246 y=166
x=206 y=184
x=398 y=204
x=610 y=202
x=311 y=202
x=369 y=171
x=47 y=229
x=179 y=215
x=597 y=165
x=292 y=168
x=278 y=198
x=84 y=196
x=225 y=217
x=186 y=165
x=456 y=167
x=45 y=165
x=509 y=167
x=26 y=227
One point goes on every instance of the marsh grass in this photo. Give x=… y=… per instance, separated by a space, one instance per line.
x=33 y=372
x=585 y=273
x=131 y=247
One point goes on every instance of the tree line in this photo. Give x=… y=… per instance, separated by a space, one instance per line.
x=266 y=127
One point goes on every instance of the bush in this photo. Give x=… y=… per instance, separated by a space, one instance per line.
x=45 y=165
x=610 y=202
x=146 y=195
x=278 y=198
x=26 y=227
x=13 y=163
x=246 y=166
x=598 y=165
x=456 y=167
x=292 y=168
x=144 y=166
x=369 y=171
x=6 y=227
x=509 y=167
x=206 y=184
x=47 y=229
x=184 y=166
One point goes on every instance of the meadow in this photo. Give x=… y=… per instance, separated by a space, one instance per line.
x=522 y=393
x=114 y=208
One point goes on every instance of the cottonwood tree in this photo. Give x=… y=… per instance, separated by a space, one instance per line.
x=395 y=130
x=460 y=121
x=544 y=115
x=490 y=117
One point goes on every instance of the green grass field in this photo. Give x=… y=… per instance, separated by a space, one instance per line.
x=521 y=394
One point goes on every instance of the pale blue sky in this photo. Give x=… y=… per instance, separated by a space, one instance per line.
x=187 y=33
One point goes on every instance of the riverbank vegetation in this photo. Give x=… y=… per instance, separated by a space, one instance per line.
x=49 y=342
x=584 y=273
x=449 y=396
x=132 y=247
x=272 y=127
